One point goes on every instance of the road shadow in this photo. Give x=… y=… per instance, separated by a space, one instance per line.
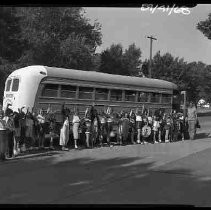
x=119 y=180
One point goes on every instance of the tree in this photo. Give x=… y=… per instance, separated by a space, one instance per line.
x=75 y=53
x=111 y=60
x=58 y=36
x=205 y=27
x=145 y=68
x=10 y=45
x=132 y=60
x=193 y=77
x=5 y=69
x=116 y=61
x=167 y=67
x=52 y=36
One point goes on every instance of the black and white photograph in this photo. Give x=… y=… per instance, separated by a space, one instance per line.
x=105 y=105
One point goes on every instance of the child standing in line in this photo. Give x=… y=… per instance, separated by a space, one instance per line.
x=150 y=124
x=161 y=129
x=64 y=134
x=110 y=121
x=125 y=127
x=168 y=129
x=17 y=133
x=88 y=127
x=35 y=128
x=132 y=126
x=138 y=125
x=41 y=130
x=29 y=130
x=52 y=125
x=155 y=128
x=103 y=127
x=76 y=123
x=146 y=131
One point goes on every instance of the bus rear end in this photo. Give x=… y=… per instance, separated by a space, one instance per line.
x=11 y=93
x=21 y=87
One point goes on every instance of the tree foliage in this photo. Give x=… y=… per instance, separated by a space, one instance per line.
x=58 y=36
x=51 y=36
x=205 y=27
x=193 y=77
x=10 y=44
x=116 y=61
x=64 y=37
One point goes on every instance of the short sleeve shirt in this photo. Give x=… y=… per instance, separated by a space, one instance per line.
x=192 y=113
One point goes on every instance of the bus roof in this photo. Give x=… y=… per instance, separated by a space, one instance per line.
x=94 y=76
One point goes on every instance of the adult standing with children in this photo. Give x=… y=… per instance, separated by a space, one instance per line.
x=10 y=131
x=192 y=119
x=3 y=135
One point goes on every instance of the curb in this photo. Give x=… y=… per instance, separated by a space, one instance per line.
x=47 y=153
x=36 y=155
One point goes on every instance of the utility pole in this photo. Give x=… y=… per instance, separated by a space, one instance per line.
x=150 y=62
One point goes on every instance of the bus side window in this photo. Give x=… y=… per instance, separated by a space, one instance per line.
x=50 y=90
x=155 y=97
x=85 y=92
x=9 y=81
x=68 y=91
x=166 y=98
x=101 y=94
x=116 y=95
x=143 y=97
x=130 y=95
x=15 y=85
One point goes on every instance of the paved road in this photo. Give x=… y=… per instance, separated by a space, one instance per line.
x=173 y=173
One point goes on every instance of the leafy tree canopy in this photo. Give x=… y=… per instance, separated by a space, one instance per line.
x=58 y=36
x=116 y=61
x=193 y=77
x=205 y=27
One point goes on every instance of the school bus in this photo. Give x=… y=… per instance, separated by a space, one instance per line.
x=38 y=86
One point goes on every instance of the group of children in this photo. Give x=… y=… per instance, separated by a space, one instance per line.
x=134 y=127
x=28 y=129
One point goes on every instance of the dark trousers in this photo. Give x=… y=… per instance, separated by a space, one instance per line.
x=10 y=139
x=23 y=135
x=132 y=134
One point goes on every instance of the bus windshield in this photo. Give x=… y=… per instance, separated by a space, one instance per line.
x=9 y=81
x=15 y=84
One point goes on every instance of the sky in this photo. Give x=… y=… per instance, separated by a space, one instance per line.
x=176 y=33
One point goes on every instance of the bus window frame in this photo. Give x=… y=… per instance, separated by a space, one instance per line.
x=95 y=91
x=58 y=92
x=92 y=93
x=115 y=89
x=148 y=96
x=11 y=88
x=154 y=97
x=123 y=90
x=9 y=79
x=135 y=97
x=169 y=97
